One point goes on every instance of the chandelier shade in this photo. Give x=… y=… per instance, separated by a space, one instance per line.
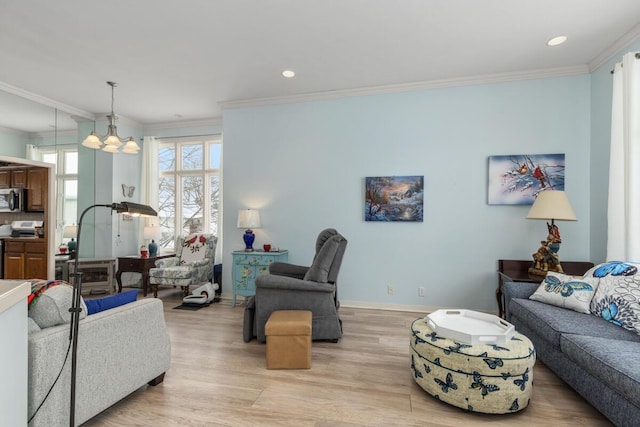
x=112 y=142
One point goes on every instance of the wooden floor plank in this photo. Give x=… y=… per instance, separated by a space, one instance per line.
x=216 y=379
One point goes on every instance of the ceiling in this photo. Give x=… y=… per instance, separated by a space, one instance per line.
x=179 y=60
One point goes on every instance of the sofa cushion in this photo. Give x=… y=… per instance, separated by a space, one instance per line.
x=319 y=270
x=612 y=361
x=116 y=300
x=574 y=293
x=551 y=322
x=52 y=307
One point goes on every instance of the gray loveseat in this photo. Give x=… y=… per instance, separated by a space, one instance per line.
x=596 y=358
x=119 y=351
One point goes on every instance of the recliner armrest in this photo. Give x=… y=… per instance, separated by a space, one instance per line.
x=289 y=283
x=288 y=270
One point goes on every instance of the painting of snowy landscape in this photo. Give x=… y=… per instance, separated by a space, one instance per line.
x=394 y=198
x=517 y=179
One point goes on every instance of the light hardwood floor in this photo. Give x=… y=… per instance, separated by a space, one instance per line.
x=216 y=379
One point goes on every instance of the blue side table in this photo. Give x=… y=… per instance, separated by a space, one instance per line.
x=249 y=265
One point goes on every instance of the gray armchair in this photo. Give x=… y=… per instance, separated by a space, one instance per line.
x=294 y=287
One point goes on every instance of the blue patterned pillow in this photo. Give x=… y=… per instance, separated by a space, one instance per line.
x=618 y=296
x=116 y=300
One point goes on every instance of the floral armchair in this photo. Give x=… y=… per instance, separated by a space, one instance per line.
x=192 y=265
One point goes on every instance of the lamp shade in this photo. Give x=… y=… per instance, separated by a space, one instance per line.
x=151 y=232
x=134 y=209
x=248 y=218
x=552 y=205
x=69 y=231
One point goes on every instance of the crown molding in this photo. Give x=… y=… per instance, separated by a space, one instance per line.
x=216 y=121
x=53 y=133
x=407 y=87
x=615 y=48
x=6 y=87
x=11 y=131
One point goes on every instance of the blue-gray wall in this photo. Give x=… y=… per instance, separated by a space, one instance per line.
x=303 y=165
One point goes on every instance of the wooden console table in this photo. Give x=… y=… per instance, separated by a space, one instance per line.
x=136 y=264
x=511 y=270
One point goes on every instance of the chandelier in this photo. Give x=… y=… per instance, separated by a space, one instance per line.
x=112 y=142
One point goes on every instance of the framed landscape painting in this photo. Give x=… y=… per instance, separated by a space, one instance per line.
x=394 y=198
x=517 y=179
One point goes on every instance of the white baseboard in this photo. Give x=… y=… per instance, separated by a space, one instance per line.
x=425 y=309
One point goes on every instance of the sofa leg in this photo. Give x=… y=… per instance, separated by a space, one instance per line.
x=157 y=380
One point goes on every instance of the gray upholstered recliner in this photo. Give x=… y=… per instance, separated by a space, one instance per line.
x=294 y=287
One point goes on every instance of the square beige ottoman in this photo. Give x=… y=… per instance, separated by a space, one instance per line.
x=289 y=339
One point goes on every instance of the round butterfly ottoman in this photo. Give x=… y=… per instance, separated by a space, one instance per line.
x=487 y=378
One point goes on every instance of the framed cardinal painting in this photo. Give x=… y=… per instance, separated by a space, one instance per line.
x=517 y=179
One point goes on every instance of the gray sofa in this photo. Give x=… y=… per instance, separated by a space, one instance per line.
x=119 y=351
x=596 y=358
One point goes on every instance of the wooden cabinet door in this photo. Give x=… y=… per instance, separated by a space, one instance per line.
x=35 y=266
x=14 y=265
x=35 y=261
x=18 y=178
x=5 y=178
x=37 y=190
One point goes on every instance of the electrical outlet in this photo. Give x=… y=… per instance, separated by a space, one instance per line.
x=421 y=291
x=390 y=289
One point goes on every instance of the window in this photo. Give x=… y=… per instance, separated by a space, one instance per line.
x=66 y=160
x=189 y=188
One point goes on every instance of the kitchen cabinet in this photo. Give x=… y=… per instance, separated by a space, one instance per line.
x=13 y=178
x=5 y=178
x=25 y=259
x=18 y=178
x=36 y=189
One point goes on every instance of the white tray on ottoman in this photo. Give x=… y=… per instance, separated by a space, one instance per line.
x=470 y=327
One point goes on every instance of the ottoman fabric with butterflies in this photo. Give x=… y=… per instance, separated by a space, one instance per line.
x=487 y=378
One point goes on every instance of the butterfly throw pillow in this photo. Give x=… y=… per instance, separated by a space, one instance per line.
x=618 y=296
x=573 y=293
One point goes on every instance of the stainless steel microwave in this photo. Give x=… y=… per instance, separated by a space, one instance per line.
x=12 y=200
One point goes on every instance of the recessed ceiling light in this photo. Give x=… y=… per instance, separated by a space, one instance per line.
x=557 y=40
x=288 y=73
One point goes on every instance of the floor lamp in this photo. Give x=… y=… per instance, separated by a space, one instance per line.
x=133 y=209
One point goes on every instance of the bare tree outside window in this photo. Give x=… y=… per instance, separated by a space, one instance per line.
x=189 y=190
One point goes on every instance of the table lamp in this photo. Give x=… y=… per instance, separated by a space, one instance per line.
x=550 y=205
x=70 y=231
x=248 y=218
x=150 y=233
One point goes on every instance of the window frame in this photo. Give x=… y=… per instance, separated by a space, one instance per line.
x=206 y=172
x=60 y=178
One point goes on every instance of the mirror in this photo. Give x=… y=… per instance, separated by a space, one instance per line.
x=25 y=122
